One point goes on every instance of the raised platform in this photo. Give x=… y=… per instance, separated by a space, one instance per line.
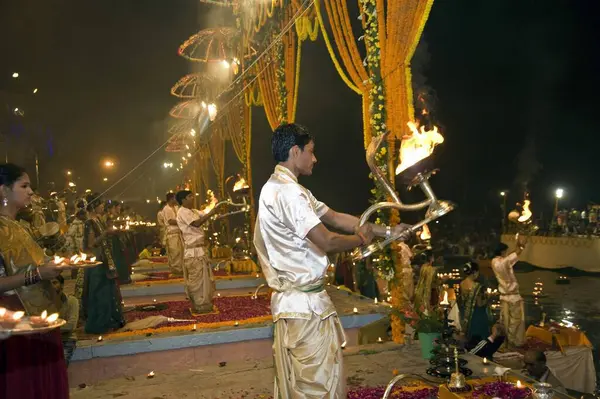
x=168 y=288
x=168 y=352
x=560 y=252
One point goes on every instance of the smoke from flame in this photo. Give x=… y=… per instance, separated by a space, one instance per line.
x=425 y=233
x=418 y=146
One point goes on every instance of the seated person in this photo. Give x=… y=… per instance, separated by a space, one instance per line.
x=69 y=311
x=535 y=367
x=487 y=347
x=146 y=253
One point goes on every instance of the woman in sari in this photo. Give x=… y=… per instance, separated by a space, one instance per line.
x=473 y=305
x=31 y=366
x=427 y=291
x=100 y=293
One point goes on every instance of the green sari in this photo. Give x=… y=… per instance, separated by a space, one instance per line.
x=101 y=296
x=475 y=320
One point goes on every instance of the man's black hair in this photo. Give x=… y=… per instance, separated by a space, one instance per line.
x=181 y=196
x=285 y=137
x=501 y=247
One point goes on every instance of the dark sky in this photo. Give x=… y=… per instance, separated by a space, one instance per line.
x=505 y=72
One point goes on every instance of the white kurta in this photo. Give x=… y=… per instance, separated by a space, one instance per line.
x=308 y=336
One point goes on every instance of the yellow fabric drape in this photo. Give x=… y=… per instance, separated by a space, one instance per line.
x=400 y=31
x=351 y=69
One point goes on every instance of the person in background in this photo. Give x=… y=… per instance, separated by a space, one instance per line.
x=162 y=225
x=74 y=236
x=101 y=297
x=536 y=368
x=512 y=306
x=69 y=311
x=473 y=304
x=197 y=273
x=487 y=347
x=31 y=366
x=174 y=239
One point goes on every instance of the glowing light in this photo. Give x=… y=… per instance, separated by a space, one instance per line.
x=418 y=146
x=71 y=184
x=502 y=193
x=519 y=385
x=212 y=111
x=445 y=300
x=559 y=193
x=526 y=213
x=105 y=179
x=203 y=104
x=225 y=64
x=15 y=75
x=69 y=172
x=192 y=132
x=189 y=155
x=35 y=90
x=16 y=110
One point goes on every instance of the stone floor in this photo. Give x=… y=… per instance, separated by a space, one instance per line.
x=372 y=365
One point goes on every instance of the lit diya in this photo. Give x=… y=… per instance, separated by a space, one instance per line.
x=43 y=320
x=10 y=319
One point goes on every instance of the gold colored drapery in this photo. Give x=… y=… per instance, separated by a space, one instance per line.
x=234 y=126
x=216 y=146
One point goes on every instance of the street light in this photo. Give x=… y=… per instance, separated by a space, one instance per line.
x=503 y=195
x=558 y=194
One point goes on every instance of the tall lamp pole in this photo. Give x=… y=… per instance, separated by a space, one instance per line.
x=503 y=195
x=558 y=194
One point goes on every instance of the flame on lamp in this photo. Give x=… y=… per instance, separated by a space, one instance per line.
x=83 y=256
x=58 y=260
x=44 y=315
x=18 y=315
x=52 y=318
x=212 y=111
x=2 y=312
x=240 y=184
x=526 y=213
x=445 y=300
x=425 y=233
x=417 y=146
x=93 y=259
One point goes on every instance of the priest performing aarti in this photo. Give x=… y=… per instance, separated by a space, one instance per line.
x=292 y=244
x=197 y=273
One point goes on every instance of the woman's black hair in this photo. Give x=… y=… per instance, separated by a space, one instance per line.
x=470 y=268
x=94 y=201
x=423 y=258
x=10 y=173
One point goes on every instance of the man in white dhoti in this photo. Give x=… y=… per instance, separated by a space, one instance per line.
x=197 y=273
x=512 y=306
x=292 y=243
x=173 y=239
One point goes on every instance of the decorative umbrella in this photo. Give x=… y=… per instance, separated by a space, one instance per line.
x=210 y=45
x=176 y=143
x=186 y=110
x=195 y=85
x=222 y=3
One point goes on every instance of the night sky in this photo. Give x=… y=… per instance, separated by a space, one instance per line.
x=508 y=75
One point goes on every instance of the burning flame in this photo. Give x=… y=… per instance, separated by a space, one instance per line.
x=44 y=315
x=52 y=318
x=58 y=260
x=93 y=259
x=445 y=300
x=75 y=259
x=418 y=146
x=2 y=312
x=83 y=256
x=526 y=213
x=240 y=184
x=212 y=201
x=18 y=315
x=425 y=233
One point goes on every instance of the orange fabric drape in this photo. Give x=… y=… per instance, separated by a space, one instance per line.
x=267 y=67
x=351 y=69
x=400 y=31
